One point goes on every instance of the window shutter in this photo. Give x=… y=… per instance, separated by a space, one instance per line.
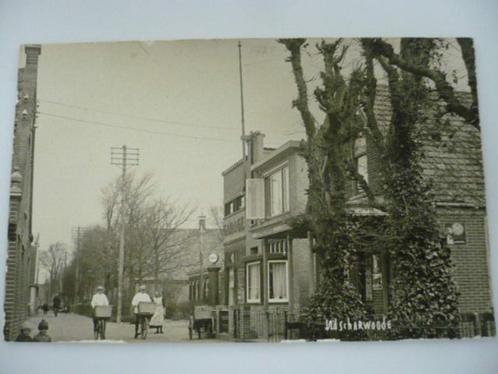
x=255 y=202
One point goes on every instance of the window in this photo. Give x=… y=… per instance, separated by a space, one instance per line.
x=231 y=286
x=360 y=160
x=277 y=281
x=376 y=273
x=253 y=273
x=228 y=209
x=278 y=190
x=205 y=290
x=235 y=205
x=195 y=290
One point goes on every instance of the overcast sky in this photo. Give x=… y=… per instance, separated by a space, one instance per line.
x=191 y=86
x=183 y=96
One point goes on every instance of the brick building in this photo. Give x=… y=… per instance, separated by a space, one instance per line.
x=206 y=276
x=270 y=270
x=21 y=255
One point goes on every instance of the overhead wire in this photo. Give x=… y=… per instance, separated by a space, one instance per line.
x=126 y=115
x=105 y=124
x=157 y=120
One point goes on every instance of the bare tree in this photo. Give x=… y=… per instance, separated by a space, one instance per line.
x=154 y=242
x=53 y=260
x=162 y=221
x=216 y=216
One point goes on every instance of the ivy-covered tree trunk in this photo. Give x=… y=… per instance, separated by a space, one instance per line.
x=423 y=297
x=326 y=151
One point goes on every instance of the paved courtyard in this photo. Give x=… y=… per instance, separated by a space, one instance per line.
x=73 y=327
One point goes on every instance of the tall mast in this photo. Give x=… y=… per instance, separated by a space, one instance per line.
x=242 y=103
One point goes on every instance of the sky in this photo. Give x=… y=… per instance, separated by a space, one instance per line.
x=184 y=96
x=183 y=100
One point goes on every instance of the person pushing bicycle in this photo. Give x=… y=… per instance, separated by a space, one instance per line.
x=98 y=299
x=140 y=297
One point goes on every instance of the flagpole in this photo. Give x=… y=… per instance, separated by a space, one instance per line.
x=242 y=103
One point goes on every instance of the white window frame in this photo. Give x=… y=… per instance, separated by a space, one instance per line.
x=285 y=187
x=249 y=300
x=286 y=300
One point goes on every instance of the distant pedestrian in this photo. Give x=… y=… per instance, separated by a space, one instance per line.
x=45 y=308
x=56 y=304
x=157 y=319
x=42 y=335
x=24 y=335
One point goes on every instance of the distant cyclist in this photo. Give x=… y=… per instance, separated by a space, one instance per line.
x=140 y=297
x=56 y=304
x=99 y=299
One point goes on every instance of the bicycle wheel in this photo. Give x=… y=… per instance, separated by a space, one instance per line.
x=102 y=331
x=96 y=332
x=145 y=327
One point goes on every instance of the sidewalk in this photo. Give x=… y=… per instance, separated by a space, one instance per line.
x=73 y=327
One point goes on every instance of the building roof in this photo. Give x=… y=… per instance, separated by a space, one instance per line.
x=452 y=156
x=233 y=166
x=274 y=153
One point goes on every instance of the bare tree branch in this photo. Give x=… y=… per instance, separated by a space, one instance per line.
x=378 y=47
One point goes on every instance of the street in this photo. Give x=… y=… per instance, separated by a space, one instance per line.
x=77 y=328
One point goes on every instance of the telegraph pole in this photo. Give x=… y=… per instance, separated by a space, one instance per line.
x=122 y=156
x=77 y=265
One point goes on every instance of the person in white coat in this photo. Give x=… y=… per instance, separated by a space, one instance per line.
x=98 y=299
x=140 y=297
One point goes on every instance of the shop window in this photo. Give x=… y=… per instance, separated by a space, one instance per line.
x=277 y=281
x=253 y=281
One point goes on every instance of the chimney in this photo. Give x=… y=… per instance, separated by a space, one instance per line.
x=255 y=146
x=32 y=52
x=31 y=68
x=202 y=223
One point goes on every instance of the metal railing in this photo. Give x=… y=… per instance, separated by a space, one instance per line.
x=278 y=325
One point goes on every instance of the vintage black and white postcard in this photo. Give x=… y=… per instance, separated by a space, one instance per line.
x=265 y=190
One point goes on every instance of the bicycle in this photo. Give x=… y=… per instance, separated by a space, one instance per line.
x=145 y=312
x=144 y=325
x=100 y=329
x=101 y=314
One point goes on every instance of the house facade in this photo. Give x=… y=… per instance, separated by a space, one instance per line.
x=20 y=287
x=270 y=269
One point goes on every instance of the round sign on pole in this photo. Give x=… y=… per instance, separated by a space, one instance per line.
x=213 y=258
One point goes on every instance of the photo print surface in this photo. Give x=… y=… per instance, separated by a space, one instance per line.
x=259 y=190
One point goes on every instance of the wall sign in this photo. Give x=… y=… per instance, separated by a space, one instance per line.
x=455 y=233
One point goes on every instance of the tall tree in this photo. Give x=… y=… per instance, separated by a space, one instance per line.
x=326 y=151
x=423 y=293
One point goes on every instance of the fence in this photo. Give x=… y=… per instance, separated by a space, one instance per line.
x=277 y=325
x=262 y=325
